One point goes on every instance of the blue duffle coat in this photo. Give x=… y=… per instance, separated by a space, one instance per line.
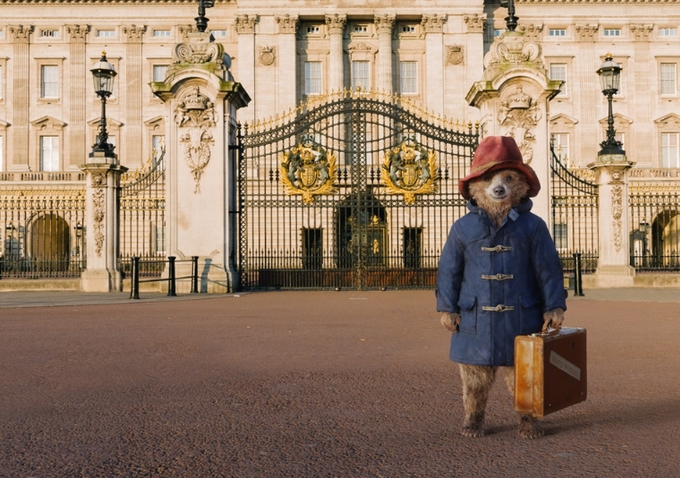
x=499 y=281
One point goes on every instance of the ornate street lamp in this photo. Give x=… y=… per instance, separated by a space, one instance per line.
x=511 y=19
x=201 y=20
x=103 y=74
x=610 y=77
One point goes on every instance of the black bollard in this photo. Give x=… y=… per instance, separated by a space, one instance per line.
x=194 y=274
x=134 y=279
x=578 y=285
x=171 y=276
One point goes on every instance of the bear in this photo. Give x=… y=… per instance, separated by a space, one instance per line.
x=499 y=276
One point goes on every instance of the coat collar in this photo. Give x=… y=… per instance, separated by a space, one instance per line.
x=523 y=207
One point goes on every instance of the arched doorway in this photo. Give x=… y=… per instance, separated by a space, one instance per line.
x=49 y=243
x=666 y=240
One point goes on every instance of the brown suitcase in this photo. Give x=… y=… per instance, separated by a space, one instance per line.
x=550 y=371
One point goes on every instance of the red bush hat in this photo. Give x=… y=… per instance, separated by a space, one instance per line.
x=494 y=153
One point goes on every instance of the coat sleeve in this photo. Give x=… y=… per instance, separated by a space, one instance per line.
x=549 y=274
x=450 y=274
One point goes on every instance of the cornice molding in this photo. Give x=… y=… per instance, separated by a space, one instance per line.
x=110 y=2
x=603 y=2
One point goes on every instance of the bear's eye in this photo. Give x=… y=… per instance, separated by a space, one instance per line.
x=509 y=179
x=487 y=178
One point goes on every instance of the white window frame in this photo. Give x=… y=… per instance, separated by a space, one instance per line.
x=561 y=236
x=361 y=74
x=556 y=74
x=162 y=33
x=157 y=144
x=408 y=77
x=159 y=72
x=106 y=33
x=612 y=32
x=668 y=79
x=49 y=153
x=49 y=33
x=221 y=33
x=313 y=78
x=557 y=32
x=667 y=31
x=561 y=146
x=670 y=150
x=49 y=90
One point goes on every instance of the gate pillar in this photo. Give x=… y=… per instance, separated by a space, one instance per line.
x=102 y=221
x=514 y=97
x=201 y=186
x=613 y=265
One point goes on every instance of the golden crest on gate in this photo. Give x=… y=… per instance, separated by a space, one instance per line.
x=308 y=170
x=410 y=169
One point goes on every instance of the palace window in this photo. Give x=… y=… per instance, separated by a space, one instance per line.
x=49 y=153
x=106 y=33
x=49 y=33
x=313 y=78
x=49 y=81
x=612 y=32
x=413 y=239
x=313 y=29
x=561 y=236
x=558 y=71
x=360 y=29
x=2 y=82
x=408 y=29
x=670 y=155
x=2 y=157
x=162 y=33
x=557 y=32
x=667 y=32
x=498 y=32
x=157 y=147
x=361 y=75
x=219 y=33
x=561 y=146
x=408 y=77
x=667 y=78
x=159 y=72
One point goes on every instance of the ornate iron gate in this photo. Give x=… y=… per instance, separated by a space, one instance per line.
x=354 y=190
x=574 y=214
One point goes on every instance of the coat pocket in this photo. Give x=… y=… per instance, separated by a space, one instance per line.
x=468 y=314
x=531 y=314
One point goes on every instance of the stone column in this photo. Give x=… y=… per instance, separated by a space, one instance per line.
x=336 y=69
x=245 y=27
x=514 y=98
x=434 y=62
x=613 y=265
x=201 y=178
x=384 y=25
x=643 y=133
x=589 y=90
x=102 y=224
x=78 y=75
x=287 y=66
x=133 y=95
x=20 y=36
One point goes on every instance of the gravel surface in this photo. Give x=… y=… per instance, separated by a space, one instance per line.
x=315 y=384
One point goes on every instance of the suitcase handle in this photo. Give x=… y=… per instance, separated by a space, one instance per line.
x=548 y=333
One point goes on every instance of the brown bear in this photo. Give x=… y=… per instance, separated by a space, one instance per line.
x=499 y=276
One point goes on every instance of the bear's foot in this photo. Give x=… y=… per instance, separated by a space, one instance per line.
x=473 y=426
x=529 y=428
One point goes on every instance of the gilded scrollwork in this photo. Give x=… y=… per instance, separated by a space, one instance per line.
x=309 y=170
x=409 y=169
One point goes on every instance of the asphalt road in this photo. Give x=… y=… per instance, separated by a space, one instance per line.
x=315 y=384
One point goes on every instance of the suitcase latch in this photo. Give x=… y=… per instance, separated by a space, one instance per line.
x=498 y=308
x=497 y=277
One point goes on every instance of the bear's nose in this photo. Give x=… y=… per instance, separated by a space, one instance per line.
x=499 y=190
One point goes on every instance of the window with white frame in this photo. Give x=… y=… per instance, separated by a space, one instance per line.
x=49 y=33
x=557 y=32
x=49 y=153
x=668 y=78
x=561 y=236
x=558 y=71
x=160 y=240
x=49 y=81
x=106 y=33
x=670 y=155
x=157 y=147
x=408 y=77
x=561 y=147
x=159 y=72
x=2 y=150
x=313 y=78
x=498 y=32
x=219 y=33
x=612 y=32
x=361 y=75
x=667 y=32
x=621 y=138
x=162 y=33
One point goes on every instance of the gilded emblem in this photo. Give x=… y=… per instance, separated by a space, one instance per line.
x=410 y=169
x=308 y=170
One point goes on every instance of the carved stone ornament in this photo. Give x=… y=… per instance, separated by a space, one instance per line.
x=20 y=33
x=513 y=49
x=245 y=23
x=454 y=55
x=384 y=23
x=641 y=31
x=267 y=55
x=433 y=23
x=475 y=23
x=531 y=30
x=99 y=214
x=308 y=170
x=287 y=24
x=196 y=113
x=133 y=33
x=77 y=33
x=336 y=23
x=518 y=115
x=410 y=170
x=617 y=211
x=198 y=51
x=98 y=180
x=587 y=32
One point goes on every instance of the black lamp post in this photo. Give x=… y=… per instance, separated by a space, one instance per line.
x=103 y=74
x=201 y=20
x=511 y=19
x=610 y=77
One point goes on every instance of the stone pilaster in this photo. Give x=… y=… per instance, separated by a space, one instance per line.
x=20 y=36
x=245 y=28
x=384 y=25
x=433 y=26
x=644 y=132
x=514 y=97
x=287 y=69
x=590 y=93
x=201 y=181
x=77 y=98
x=336 y=71
x=613 y=266
x=102 y=226
x=133 y=95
